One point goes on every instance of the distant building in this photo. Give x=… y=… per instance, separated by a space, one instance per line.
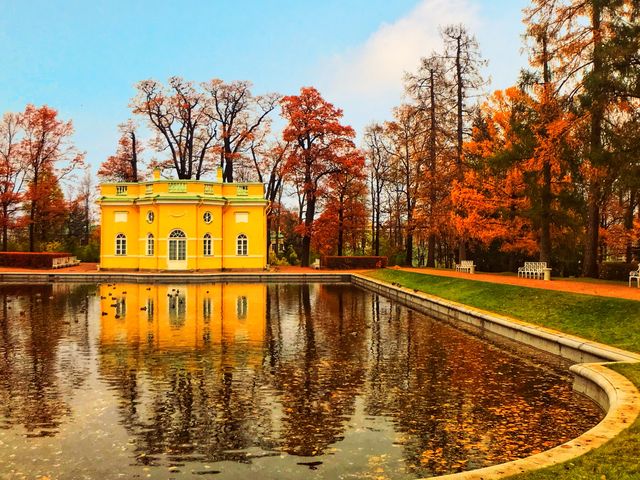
x=182 y=225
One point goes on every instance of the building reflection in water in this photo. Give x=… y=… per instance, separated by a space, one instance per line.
x=186 y=360
x=182 y=316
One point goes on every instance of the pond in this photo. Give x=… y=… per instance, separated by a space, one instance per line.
x=275 y=381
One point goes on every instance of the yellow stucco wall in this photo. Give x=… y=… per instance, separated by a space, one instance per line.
x=181 y=205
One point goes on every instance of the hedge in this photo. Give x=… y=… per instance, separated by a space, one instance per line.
x=346 y=263
x=617 y=270
x=30 y=259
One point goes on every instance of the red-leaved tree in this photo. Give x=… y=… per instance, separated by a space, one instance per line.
x=322 y=146
x=48 y=156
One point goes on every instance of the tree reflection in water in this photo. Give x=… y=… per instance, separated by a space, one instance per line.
x=40 y=338
x=277 y=378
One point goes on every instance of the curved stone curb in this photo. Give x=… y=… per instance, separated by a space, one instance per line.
x=598 y=382
x=611 y=390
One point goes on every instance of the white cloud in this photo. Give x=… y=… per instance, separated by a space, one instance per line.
x=366 y=80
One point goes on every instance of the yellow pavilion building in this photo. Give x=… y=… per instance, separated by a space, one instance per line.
x=182 y=225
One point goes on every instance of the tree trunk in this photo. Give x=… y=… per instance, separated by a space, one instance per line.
x=377 y=228
x=340 y=231
x=409 y=247
x=134 y=157
x=32 y=224
x=5 y=228
x=431 y=251
x=431 y=243
x=462 y=247
x=590 y=265
x=308 y=223
x=545 y=215
x=628 y=225
x=546 y=196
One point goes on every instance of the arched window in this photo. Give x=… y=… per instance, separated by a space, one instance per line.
x=150 y=244
x=177 y=245
x=241 y=245
x=207 y=249
x=121 y=244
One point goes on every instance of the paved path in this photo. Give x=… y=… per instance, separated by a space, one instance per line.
x=600 y=288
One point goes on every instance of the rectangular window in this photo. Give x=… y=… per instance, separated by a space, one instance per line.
x=242 y=217
x=121 y=217
x=150 y=245
x=207 y=250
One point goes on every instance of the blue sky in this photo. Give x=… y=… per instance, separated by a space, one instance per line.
x=84 y=57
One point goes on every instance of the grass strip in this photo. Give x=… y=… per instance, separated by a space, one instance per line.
x=613 y=321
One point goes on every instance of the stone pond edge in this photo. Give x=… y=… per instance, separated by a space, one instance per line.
x=612 y=391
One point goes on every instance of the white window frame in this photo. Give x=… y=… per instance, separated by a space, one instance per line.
x=207 y=245
x=179 y=248
x=242 y=245
x=151 y=245
x=121 y=245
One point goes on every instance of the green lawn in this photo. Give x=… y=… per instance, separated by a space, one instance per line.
x=608 y=320
x=612 y=321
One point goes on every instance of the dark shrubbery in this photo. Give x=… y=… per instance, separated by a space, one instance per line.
x=29 y=259
x=617 y=270
x=346 y=263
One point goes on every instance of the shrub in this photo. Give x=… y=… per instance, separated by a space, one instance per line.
x=29 y=259
x=617 y=270
x=292 y=257
x=275 y=261
x=88 y=253
x=346 y=263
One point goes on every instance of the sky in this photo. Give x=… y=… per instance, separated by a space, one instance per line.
x=83 y=58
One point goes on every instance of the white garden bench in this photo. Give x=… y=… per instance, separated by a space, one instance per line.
x=63 y=262
x=635 y=274
x=466 y=266
x=537 y=270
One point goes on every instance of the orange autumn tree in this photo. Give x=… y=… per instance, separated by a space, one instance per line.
x=52 y=211
x=48 y=156
x=343 y=221
x=321 y=147
x=501 y=197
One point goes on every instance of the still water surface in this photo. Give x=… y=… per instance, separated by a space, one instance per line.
x=274 y=381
